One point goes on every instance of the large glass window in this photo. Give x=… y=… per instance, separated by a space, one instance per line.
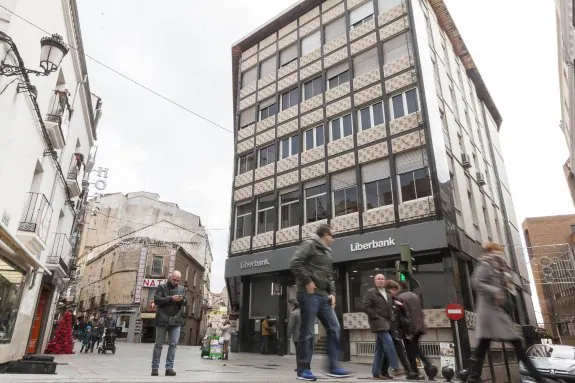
x=289 y=209
x=11 y=287
x=404 y=103
x=371 y=116
x=413 y=175
x=289 y=147
x=337 y=76
x=246 y=163
x=243 y=220
x=312 y=88
x=344 y=193
x=315 y=203
x=157 y=264
x=396 y=48
x=268 y=108
x=267 y=155
x=288 y=55
x=290 y=98
x=266 y=214
x=313 y=137
x=378 y=193
x=341 y=127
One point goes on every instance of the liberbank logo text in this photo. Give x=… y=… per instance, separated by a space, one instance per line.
x=251 y=264
x=372 y=245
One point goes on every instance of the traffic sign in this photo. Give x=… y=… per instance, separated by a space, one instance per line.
x=454 y=311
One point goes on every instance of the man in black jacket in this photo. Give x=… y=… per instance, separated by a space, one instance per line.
x=169 y=299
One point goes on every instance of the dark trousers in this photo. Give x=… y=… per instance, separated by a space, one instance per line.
x=266 y=344
x=479 y=355
x=296 y=351
x=400 y=354
x=95 y=342
x=414 y=351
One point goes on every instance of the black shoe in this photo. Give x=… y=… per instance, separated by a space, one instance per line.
x=412 y=376
x=154 y=372
x=170 y=373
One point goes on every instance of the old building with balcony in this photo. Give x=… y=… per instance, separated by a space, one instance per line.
x=372 y=116
x=47 y=129
x=131 y=243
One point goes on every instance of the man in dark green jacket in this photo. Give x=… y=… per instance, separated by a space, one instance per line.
x=312 y=267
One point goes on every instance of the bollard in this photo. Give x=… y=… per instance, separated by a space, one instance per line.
x=463 y=375
x=447 y=373
x=431 y=372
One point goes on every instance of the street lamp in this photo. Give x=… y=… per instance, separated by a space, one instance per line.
x=52 y=51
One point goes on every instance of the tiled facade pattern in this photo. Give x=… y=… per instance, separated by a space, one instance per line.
x=434 y=318
x=363 y=147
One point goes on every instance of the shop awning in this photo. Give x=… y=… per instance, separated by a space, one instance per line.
x=148 y=315
x=17 y=252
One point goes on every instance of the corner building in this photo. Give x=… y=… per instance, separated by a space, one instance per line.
x=370 y=116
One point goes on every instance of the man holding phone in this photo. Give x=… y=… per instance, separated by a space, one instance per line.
x=312 y=267
x=169 y=299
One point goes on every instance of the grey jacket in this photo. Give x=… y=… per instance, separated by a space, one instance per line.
x=379 y=311
x=492 y=321
x=294 y=325
x=413 y=311
x=168 y=312
x=312 y=262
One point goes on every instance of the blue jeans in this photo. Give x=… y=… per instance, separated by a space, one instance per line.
x=314 y=306
x=383 y=346
x=173 y=333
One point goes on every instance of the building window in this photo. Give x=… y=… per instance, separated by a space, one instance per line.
x=268 y=67
x=337 y=76
x=412 y=170
x=268 y=108
x=195 y=278
x=250 y=76
x=454 y=101
x=12 y=284
x=472 y=204
x=344 y=193
x=266 y=214
x=396 y=48
x=290 y=98
x=445 y=127
x=289 y=209
x=385 y=5
x=288 y=55
x=377 y=185
x=334 y=29
x=310 y=43
x=445 y=54
x=245 y=163
x=267 y=155
x=341 y=127
x=247 y=117
x=312 y=88
x=404 y=103
x=315 y=203
x=313 y=137
x=486 y=217
x=365 y=62
x=371 y=116
x=289 y=147
x=157 y=264
x=361 y=15
x=243 y=220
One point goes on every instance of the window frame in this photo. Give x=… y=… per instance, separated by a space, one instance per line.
x=258 y=211
x=311 y=81
x=260 y=109
x=400 y=191
x=363 y=20
x=371 y=115
x=250 y=214
x=282 y=204
x=292 y=60
x=261 y=64
x=153 y=268
x=403 y=95
x=376 y=182
x=346 y=72
x=290 y=93
x=273 y=157
x=344 y=189
x=315 y=145
x=306 y=198
x=341 y=127
x=248 y=71
x=291 y=152
x=317 y=36
x=246 y=155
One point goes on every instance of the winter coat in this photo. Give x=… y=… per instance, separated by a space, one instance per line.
x=87 y=338
x=168 y=312
x=413 y=312
x=294 y=325
x=379 y=311
x=312 y=262
x=488 y=279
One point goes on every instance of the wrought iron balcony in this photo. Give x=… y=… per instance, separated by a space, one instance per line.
x=74 y=178
x=58 y=118
x=35 y=222
x=61 y=252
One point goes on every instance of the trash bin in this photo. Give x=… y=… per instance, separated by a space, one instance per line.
x=234 y=342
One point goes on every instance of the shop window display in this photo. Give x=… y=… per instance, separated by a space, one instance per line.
x=11 y=283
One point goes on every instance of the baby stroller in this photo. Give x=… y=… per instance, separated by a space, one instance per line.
x=108 y=341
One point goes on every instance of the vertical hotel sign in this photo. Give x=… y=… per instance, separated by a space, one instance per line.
x=140 y=275
x=172 y=260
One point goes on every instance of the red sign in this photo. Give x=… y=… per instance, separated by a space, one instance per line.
x=454 y=311
x=152 y=282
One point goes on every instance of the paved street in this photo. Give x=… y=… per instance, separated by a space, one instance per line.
x=132 y=364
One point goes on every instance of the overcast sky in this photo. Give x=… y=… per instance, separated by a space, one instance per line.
x=182 y=49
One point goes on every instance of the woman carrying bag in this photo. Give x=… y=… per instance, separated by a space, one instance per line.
x=494 y=305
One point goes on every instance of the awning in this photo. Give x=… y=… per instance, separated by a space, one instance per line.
x=17 y=252
x=148 y=315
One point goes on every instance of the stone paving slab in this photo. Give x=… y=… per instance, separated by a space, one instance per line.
x=131 y=363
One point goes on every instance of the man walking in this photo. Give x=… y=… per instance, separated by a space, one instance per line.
x=169 y=299
x=378 y=305
x=312 y=267
x=266 y=336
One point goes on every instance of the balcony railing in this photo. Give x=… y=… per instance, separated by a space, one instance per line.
x=61 y=252
x=36 y=216
x=59 y=108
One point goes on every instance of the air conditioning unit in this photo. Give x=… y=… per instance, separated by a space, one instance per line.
x=55 y=134
x=480 y=179
x=465 y=161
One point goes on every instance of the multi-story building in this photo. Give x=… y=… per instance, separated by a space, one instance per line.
x=129 y=244
x=371 y=116
x=566 y=58
x=550 y=244
x=48 y=126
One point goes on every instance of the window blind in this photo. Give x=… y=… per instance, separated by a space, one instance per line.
x=412 y=160
x=375 y=171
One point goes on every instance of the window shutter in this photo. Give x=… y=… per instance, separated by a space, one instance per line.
x=412 y=160
x=247 y=117
x=375 y=171
x=396 y=48
x=268 y=66
x=337 y=70
x=386 y=5
x=310 y=43
x=288 y=54
x=249 y=76
x=343 y=180
x=365 y=62
x=361 y=12
x=335 y=29
x=314 y=183
x=268 y=102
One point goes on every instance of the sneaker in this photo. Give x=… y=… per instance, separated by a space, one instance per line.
x=170 y=372
x=339 y=373
x=154 y=372
x=307 y=375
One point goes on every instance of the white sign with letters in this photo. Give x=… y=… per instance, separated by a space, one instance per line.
x=252 y=264
x=148 y=282
x=372 y=245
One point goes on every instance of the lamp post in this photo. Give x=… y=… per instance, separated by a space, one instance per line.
x=52 y=51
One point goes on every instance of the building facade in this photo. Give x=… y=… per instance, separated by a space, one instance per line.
x=371 y=116
x=566 y=60
x=550 y=244
x=48 y=127
x=133 y=240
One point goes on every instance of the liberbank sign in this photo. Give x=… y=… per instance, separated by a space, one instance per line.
x=252 y=264
x=357 y=246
